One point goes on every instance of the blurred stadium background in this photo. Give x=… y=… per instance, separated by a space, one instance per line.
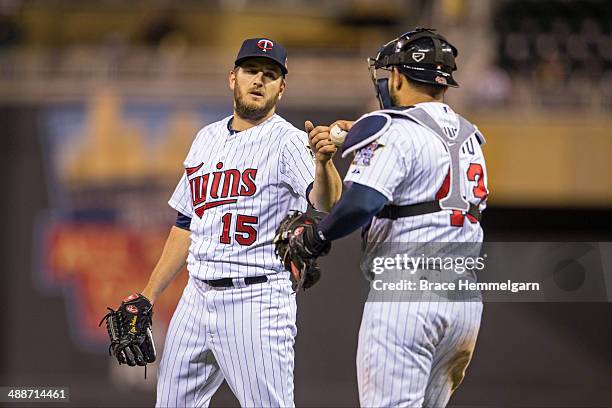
x=99 y=101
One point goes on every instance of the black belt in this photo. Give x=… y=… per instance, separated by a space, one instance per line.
x=229 y=282
x=393 y=212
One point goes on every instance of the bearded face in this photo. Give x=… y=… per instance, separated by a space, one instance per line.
x=258 y=85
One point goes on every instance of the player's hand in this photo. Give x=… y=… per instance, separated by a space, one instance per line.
x=320 y=142
x=345 y=125
x=297 y=245
x=129 y=331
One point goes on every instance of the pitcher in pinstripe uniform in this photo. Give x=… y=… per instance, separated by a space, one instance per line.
x=243 y=174
x=418 y=176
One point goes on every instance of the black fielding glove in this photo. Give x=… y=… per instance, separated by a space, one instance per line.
x=298 y=246
x=129 y=330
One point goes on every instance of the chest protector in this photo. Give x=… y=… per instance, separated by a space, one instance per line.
x=375 y=125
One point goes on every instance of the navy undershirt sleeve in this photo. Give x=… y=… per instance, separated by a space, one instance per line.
x=355 y=209
x=183 y=221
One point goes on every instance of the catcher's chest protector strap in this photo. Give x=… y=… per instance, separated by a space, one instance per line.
x=453 y=142
x=393 y=212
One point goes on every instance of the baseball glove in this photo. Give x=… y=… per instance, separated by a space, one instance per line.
x=295 y=250
x=129 y=330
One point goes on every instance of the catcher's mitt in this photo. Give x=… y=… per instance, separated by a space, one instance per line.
x=129 y=329
x=292 y=248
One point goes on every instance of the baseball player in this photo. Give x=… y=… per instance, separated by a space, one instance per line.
x=418 y=176
x=236 y=319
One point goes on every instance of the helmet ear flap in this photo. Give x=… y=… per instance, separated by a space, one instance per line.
x=381 y=85
x=382 y=93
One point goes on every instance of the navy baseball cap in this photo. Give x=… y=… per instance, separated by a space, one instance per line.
x=263 y=48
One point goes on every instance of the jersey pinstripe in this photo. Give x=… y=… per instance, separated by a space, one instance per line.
x=414 y=353
x=242 y=335
x=414 y=348
x=409 y=166
x=237 y=188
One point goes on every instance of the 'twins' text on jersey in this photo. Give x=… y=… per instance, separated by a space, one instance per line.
x=237 y=187
x=223 y=188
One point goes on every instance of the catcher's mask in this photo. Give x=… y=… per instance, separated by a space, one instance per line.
x=422 y=55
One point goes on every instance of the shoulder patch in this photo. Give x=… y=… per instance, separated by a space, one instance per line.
x=364 y=156
x=365 y=131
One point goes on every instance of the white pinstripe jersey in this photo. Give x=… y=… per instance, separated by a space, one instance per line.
x=237 y=188
x=408 y=164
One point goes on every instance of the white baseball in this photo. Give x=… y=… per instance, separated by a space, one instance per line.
x=337 y=135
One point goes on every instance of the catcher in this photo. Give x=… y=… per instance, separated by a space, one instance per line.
x=418 y=176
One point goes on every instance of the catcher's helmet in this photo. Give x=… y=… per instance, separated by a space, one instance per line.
x=422 y=55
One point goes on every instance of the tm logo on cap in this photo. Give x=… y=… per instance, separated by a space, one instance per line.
x=265 y=45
